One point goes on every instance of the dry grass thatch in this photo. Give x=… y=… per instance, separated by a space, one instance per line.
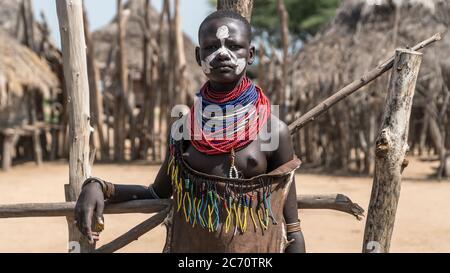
x=106 y=37
x=360 y=36
x=20 y=67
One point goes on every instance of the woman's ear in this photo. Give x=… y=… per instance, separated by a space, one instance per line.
x=197 y=56
x=252 y=52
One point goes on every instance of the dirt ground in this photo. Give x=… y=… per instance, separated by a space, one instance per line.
x=422 y=223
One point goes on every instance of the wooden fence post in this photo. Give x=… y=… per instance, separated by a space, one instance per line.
x=70 y=16
x=391 y=149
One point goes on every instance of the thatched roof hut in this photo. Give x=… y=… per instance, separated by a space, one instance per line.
x=21 y=71
x=362 y=34
x=12 y=20
x=105 y=38
x=26 y=83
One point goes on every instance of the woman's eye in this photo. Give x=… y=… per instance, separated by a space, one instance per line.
x=235 y=47
x=212 y=47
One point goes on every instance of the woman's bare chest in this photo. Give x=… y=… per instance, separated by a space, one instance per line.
x=250 y=161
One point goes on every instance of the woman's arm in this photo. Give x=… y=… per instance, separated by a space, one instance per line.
x=290 y=213
x=161 y=187
x=281 y=155
x=91 y=202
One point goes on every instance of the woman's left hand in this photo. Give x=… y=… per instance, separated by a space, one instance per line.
x=298 y=243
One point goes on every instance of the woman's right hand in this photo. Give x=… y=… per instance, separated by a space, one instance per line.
x=89 y=210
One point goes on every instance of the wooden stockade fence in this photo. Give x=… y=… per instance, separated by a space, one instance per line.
x=382 y=206
x=157 y=80
x=402 y=85
x=336 y=202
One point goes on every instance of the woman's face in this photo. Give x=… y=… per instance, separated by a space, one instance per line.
x=225 y=50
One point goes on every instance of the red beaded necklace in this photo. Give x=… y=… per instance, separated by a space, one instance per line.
x=211 y=145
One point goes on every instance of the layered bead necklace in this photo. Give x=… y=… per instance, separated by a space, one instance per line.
x=228 y=121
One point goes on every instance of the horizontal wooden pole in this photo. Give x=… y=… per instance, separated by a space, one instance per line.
x=337 y=202
x=67 y=208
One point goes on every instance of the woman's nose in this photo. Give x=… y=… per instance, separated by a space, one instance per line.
x=224 y=56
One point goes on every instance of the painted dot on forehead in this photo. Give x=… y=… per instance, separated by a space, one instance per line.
x=223 y=32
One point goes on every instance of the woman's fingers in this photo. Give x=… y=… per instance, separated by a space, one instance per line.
x=100 y=222
x=87 y=224
x=78 y=217
x=95 y=236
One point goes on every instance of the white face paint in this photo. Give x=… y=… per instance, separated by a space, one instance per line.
x=223 y=33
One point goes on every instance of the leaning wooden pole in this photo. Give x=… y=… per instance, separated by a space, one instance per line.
x=391 y=149
x=70 y=16
x=370 y=76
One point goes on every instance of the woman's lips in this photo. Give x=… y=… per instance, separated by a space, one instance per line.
x=224 y=68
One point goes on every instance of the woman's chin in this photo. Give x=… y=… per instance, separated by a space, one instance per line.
x=224 y=76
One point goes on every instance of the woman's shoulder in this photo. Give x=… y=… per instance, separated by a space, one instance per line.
x=280 y=143
x=275 y=128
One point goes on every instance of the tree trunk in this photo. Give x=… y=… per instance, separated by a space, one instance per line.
x=70 y=15
x=391 y=148
x=284 y=19
x=148 y=107
x=180 y=68
x=165 y=77
x=243 y=7
x=96 y=97
x=120 y=113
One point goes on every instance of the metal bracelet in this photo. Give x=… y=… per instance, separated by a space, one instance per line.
x=293 y=227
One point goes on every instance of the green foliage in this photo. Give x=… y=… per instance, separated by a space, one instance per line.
x=306 y=17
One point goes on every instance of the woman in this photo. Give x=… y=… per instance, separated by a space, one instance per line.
x=232 y=175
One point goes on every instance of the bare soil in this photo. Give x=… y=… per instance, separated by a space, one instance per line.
x=422 y=223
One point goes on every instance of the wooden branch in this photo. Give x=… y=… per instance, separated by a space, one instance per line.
x=134 y=233
x=353 y=87
x=70 y=16
x=391 y=149
x=337 y=202
x=67 y=209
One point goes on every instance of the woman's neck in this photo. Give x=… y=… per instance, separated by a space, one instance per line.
x=224 y=87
